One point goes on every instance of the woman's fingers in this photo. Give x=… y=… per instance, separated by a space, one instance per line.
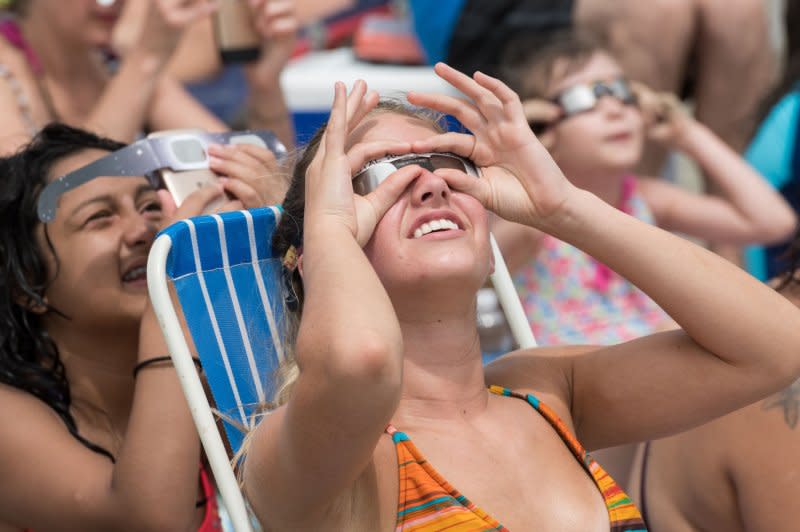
x=463 y=110
x=507 y=97
x=354 y=102
x=484 y=99
x=362 y=153
x=197 y=202
x=461 y=182
x=249 y=196
x=373 y=206
x=336 y=130
x=459 y=143
x=181 y=14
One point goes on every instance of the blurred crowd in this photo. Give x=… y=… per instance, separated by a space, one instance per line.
x=678 y=114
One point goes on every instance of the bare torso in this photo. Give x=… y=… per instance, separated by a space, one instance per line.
x=736 y=473
x=507 y=460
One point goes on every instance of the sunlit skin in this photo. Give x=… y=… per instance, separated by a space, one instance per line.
x=102 y=232
x=604 y=143
x=80 y=21
x=431 y=265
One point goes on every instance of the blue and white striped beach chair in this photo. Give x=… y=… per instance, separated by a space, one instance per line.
x=227 y=285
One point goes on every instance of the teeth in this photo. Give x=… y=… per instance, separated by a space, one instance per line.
x=434 y=225
x=135 y=273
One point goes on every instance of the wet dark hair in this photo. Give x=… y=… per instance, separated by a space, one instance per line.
x=529 y=66
x=29 y=359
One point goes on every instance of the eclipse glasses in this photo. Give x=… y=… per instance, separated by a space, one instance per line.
x=181 y=151
x=375 y=172
x=585 y=97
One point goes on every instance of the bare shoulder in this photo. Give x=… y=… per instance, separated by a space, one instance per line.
x=25 y=414
x=544 y=371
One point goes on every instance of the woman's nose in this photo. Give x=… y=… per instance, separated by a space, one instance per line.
x=430 y=189
x=139 y=230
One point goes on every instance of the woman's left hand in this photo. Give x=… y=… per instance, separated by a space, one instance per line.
x=250 y=173
x=276 y=21
x=521 y=182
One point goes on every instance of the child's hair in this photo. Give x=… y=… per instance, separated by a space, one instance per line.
x=29 y=358
x=531 y=72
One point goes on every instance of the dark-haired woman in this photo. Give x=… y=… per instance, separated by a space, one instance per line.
x=55 y=65
x=85 y=444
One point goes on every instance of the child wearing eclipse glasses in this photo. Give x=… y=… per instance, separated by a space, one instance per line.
x=594 y=123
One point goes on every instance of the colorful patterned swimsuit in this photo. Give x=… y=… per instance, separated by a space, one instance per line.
x=571 y=298
x=428 y=503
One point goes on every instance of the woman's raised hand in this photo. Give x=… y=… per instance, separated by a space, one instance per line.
x=163 y=22
x=521 y=182
x=276 y=22
x=329 y=187
x=251 y=173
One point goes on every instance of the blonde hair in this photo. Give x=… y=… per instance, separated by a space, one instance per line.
x=289 y=233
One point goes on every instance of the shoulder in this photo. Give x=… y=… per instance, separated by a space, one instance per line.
x=23 y=408
x=545 y=372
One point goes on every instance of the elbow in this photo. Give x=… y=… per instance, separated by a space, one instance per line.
x=776 y=230
x=781 y=229
x=778 y=227
x=370 y=358
x=368 y=362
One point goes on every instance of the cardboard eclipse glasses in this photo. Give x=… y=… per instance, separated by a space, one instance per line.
x=375 y=172
x=180 y=151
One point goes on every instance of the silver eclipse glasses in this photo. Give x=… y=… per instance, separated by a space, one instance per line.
x=375 y=172
x=585 y=96
x=179 y=151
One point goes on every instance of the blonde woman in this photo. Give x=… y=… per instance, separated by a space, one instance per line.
x=387 y=346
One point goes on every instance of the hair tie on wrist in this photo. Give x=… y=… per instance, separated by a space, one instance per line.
x=156 y=360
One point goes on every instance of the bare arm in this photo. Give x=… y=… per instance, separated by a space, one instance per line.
x=725 y=357
x=137 y=82
x=519 y=243
x=51 y=481
x=349 y=347
x=739 y=340
x=747 y=210
x=172 y=107
x=266 y=106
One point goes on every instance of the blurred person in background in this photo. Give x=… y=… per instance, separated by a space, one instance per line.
x=737 y=473
x=775 y=150
x=103 y=66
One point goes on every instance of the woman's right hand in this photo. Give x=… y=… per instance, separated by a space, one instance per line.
x=328 y=185
x=520 y=181
x=163 y=23
x=195 y=204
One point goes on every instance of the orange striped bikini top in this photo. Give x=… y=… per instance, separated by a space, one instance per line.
x=428 y=503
